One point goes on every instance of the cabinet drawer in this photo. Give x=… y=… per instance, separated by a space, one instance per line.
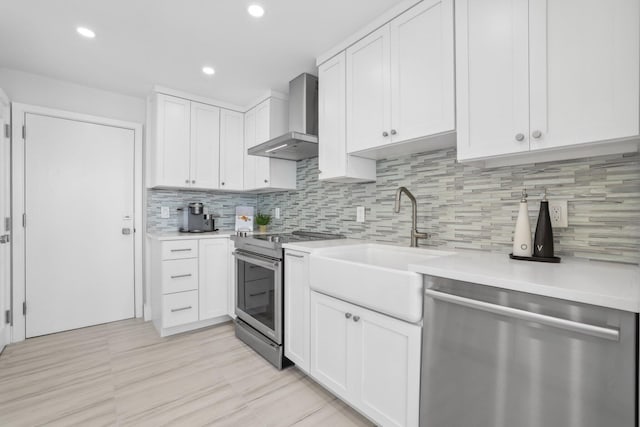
x=179 y=275
x=179 y=249
x=180 y=308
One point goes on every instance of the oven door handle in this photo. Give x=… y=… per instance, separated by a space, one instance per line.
x=262 y=262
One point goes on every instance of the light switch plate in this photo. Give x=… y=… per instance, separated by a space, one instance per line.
x=558 y=213
x=360 y=214
x=276 y=213
x=164 y=212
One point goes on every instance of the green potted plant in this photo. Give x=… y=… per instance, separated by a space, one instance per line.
x=263 y=220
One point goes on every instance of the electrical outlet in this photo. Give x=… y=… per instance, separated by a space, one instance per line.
x=164 y=212
x=559 y=213
x=360 y=214
x=276 y=214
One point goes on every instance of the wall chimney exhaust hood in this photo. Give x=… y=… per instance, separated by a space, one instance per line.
x=301 y=142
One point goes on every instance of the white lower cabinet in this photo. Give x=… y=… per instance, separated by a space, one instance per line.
x=296 y=308
x=213 y=277
x=370 y=360
x=190 y=283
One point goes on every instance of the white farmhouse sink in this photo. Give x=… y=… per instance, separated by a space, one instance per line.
x=373 y=275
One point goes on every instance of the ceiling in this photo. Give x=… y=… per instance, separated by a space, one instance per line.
x=140 y=43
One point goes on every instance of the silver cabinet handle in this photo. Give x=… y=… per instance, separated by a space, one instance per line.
x=394 y=132
x=385 y=134
x=569 y=325
x=356 y=318
x=259 y=293
x=520 y=137
x=180 y=276
x=536 y=134
x=347 y=315
x=173 y=310
x=181 y=250
x=295 y=256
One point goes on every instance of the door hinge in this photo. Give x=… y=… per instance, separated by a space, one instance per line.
x=24 y=308
x=7 y=223
x=7 y=317
x=7 y=130
x=24 y=132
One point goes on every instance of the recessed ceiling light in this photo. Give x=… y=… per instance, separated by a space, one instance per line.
x=209 y=71
x=255 y=10
x=85 y=32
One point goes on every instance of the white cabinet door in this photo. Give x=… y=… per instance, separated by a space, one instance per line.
x=386 y=354
x=585 y=59
x=492 y=77
x=332 y=132
x=172 y=152
x=422 y=74
x=296 y=309
x=262 y=134
x=330 y=339
x=205 y=146
x=249 y=161
x=231 y=150
x=368 y=92
x=213 y=278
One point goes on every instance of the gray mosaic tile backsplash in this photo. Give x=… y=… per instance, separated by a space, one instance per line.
x=220 y=204
x=464 y=206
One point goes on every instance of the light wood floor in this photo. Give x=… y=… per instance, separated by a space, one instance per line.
x=123 y=373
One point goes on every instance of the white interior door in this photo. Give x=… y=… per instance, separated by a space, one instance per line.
x=5 y=194
x=79 y=199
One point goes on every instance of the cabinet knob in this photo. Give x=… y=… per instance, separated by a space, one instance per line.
x=536 y=134
x=266 y=181
x=347 y=315
x=394 y=132
x=193 y=182
x=520 y=137
x=186 y=181
x=222 y=183
x=356 y=318
x=385 y=134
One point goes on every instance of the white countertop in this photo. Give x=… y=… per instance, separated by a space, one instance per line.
x=176 y=235
x=599 y=283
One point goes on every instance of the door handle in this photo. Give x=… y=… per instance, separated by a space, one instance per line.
x=4 y=239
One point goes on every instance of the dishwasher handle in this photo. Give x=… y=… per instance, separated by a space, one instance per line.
x=543 y=319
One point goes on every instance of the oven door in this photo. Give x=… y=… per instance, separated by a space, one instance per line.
x=259 y=293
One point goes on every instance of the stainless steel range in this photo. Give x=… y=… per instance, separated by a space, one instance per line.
x=260 y=290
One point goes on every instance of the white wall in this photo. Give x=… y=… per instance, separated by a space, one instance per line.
x=34 y=89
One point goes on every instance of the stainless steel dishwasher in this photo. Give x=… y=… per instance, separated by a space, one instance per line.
x=497 y=358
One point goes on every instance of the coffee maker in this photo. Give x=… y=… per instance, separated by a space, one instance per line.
x=194 y=220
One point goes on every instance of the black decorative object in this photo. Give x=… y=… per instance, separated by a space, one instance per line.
x=553 y=260
x=543 y=240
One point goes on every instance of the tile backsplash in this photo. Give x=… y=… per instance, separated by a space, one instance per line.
x=222 y=205
x=465 y=206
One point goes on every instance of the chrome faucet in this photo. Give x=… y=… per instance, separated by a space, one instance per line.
x=415 y=234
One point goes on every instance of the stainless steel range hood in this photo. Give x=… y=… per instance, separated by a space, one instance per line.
x=301 y=142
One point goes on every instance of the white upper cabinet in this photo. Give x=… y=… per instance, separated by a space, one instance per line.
x=422 y=71
x=185 y=145
x=400 y=83
x=369 y=92
x=334 y=163
x=267 y=120
x=205 y=146
x=171 y=156
x=231 y=150
x=542 y=75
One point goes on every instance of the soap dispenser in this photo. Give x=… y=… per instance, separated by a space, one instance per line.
x=543 y=241
x=522 y=234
